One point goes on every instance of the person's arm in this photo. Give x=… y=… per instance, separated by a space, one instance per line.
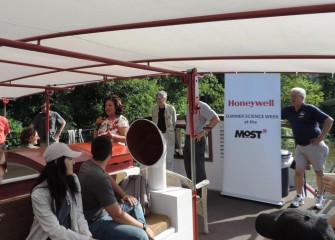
x=48 y=220
x=119 y=191
x=327 y=125
x=59 y=131
x=122 y=135
x=212 y=123
x=174 y=117
x=329 y=182
x=331 y=221
x=122 y=217
x=7 y=128
x=98 y=123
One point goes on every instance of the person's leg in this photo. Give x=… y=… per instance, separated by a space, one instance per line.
x=301 y=164
x=200 y=148
x=319 y=182
x=170 y=147
x=135 y=211
x=317 y=156
x=187 y=156
x=299 y=179
x=107 y=229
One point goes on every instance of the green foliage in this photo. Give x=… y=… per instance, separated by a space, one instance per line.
x=287 y=139
x=15 y=130
x=138 y=96
x=327 y=83
x=314 y=93
x=212 y=92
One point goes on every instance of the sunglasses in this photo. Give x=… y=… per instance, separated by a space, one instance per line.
x=4 y=166
x=43 y=107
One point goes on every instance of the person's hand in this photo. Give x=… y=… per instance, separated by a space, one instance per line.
x=99 y=120
x=132 y=200
x=150 y=233
x=316 y=141
x=329 y=182
x=199 y=136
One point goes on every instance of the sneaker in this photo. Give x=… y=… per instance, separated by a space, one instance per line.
x=297 y=201
x=319 y=202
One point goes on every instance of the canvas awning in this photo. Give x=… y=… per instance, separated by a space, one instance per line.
x=69 y=43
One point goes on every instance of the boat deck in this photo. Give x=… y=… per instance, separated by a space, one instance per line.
x=233 y=218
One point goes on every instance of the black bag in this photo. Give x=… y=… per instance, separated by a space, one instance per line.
x=292 y=166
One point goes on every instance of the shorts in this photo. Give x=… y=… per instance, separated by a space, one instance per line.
x=316 y=155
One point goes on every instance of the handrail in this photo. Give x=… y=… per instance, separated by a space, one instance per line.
x=22 y=178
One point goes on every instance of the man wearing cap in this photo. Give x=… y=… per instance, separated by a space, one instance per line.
x=56 y=198
x=107 y=219
x=294 y=224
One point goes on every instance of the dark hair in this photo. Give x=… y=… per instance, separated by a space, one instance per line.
x=54 y=173
x=26 y=135
x=101 y=147
x=117 y=103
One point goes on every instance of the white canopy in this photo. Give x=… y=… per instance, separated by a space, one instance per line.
x=67 y=43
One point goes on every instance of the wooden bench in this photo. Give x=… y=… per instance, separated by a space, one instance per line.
x=16 y=216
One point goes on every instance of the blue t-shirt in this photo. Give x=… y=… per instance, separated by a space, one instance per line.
x=305 y=122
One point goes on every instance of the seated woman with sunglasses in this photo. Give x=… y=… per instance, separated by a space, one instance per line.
x=3 y=165
x=56 y=198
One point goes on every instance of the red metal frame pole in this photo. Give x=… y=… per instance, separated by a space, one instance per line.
x=5 y=102
x=193 y=108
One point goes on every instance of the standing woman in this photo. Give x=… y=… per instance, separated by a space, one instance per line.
x=113 y=124
x=56 y=198
x=164 y=116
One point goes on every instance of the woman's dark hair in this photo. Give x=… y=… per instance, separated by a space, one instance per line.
x=117 y=102
x=54 y=173
x=26 y=135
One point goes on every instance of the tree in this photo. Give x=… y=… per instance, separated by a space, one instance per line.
x=81 y=107
x=314 y=93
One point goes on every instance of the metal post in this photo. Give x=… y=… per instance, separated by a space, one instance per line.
x=193 y=108
x=5 y=102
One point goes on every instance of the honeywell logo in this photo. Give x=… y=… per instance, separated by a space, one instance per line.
x=268 y=103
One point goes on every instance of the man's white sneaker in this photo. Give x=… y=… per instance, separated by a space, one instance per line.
x=319 y=202
x=297 y=201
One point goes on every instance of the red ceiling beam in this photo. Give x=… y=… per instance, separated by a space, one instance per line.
x=65 y=53
x=313 y=9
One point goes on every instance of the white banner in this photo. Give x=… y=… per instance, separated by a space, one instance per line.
x=252 y=137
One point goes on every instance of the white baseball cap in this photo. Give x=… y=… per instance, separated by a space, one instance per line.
x=57 y=150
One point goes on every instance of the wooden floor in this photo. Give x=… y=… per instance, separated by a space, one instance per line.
x=233 y=219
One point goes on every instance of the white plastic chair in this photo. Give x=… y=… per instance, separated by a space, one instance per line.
x=80 y=136
x=72 y=136
x=174 y=179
